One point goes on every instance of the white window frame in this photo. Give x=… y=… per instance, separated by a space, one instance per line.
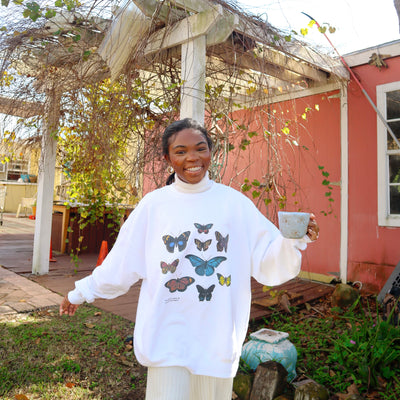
x=384 y=217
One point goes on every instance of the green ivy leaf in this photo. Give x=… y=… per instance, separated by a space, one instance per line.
x=245 y=187
x=267 y=201
x=50 y=14
x=255 y=194
x=5 y=3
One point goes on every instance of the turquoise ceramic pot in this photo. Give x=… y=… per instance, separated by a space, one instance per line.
x=269 y=345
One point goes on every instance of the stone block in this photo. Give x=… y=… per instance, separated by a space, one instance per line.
x=269 y=381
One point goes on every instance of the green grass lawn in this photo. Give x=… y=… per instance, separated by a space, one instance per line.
x=45 y=356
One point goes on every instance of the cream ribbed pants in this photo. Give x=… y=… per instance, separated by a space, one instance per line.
x=177 y=383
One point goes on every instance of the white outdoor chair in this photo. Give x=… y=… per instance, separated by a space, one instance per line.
x=26 y=202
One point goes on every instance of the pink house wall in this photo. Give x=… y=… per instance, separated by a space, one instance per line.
x=373 y=250
x=318 y=137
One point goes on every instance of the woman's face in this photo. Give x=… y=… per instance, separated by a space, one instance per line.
x=189 y=155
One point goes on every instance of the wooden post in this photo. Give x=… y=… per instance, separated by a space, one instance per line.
x=47 y=165
x=194 y=79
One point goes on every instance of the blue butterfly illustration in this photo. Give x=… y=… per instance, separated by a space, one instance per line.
x=203 y=228
x=172 y=242
x=202 y=245
x=222 y=242
x=204 y=267
x=205 y=293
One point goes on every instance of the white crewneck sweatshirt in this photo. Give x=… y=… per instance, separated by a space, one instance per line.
x=196 y=248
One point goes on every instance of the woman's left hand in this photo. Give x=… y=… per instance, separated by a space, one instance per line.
x=313 y=228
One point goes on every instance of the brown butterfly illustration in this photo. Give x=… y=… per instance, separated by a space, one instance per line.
x=165 y=267
x=202 y=245
x=179 y=284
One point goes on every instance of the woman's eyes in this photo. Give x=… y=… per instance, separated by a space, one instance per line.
x=180 y=152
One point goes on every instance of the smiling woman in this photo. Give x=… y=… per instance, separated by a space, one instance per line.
x=187 y=149
x=189 y=155
x=195 y=244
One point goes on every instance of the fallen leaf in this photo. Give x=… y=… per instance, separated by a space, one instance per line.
x=89 y=325
x=97 y=314
x=342 y=396
x=352 y=389
x=22 y=301
x=37 y=341
x=70 y=385
x=21 y=397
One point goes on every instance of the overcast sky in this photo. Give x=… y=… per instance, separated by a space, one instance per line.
x=359 y=23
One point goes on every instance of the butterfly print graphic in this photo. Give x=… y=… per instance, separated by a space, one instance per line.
x=222 y=242
x=224 y=280
x=203 y=228
x=179 y=284
x=172 y=242
x=204 y=267
x=202 y=245
x=165 y=267
x=205 y=293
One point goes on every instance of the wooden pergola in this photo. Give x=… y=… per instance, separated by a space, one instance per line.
x=206 y=39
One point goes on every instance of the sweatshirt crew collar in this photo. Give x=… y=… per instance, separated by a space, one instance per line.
x=184 y=187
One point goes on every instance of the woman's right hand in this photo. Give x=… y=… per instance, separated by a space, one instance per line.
x=67 y=308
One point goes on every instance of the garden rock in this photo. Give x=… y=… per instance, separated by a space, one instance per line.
x=269 y=381
x=310 y=390
x=344 y=295
x=242 y=384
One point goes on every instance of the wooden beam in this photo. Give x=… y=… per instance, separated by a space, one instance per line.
x=126 y=30
x=301 y=51
x=195 y=5
x=20 y=108
x=194 y=26
x=246 y=60
x=220 y=32
x=163 y=12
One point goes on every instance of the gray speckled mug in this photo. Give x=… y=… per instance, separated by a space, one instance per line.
x=293 y=225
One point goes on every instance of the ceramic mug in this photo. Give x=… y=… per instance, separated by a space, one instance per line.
x=293 y=225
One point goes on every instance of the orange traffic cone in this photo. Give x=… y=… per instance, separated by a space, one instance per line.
x=51 y=253
x=103 y=252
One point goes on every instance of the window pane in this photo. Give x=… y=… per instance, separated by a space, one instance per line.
x=394 y=168
x=391 y=144
x=393 y=104
x=395 y=199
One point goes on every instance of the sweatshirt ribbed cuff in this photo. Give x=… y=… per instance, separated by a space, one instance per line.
x=75 y=297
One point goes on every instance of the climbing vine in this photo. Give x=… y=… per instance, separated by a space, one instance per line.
x=110 y=130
